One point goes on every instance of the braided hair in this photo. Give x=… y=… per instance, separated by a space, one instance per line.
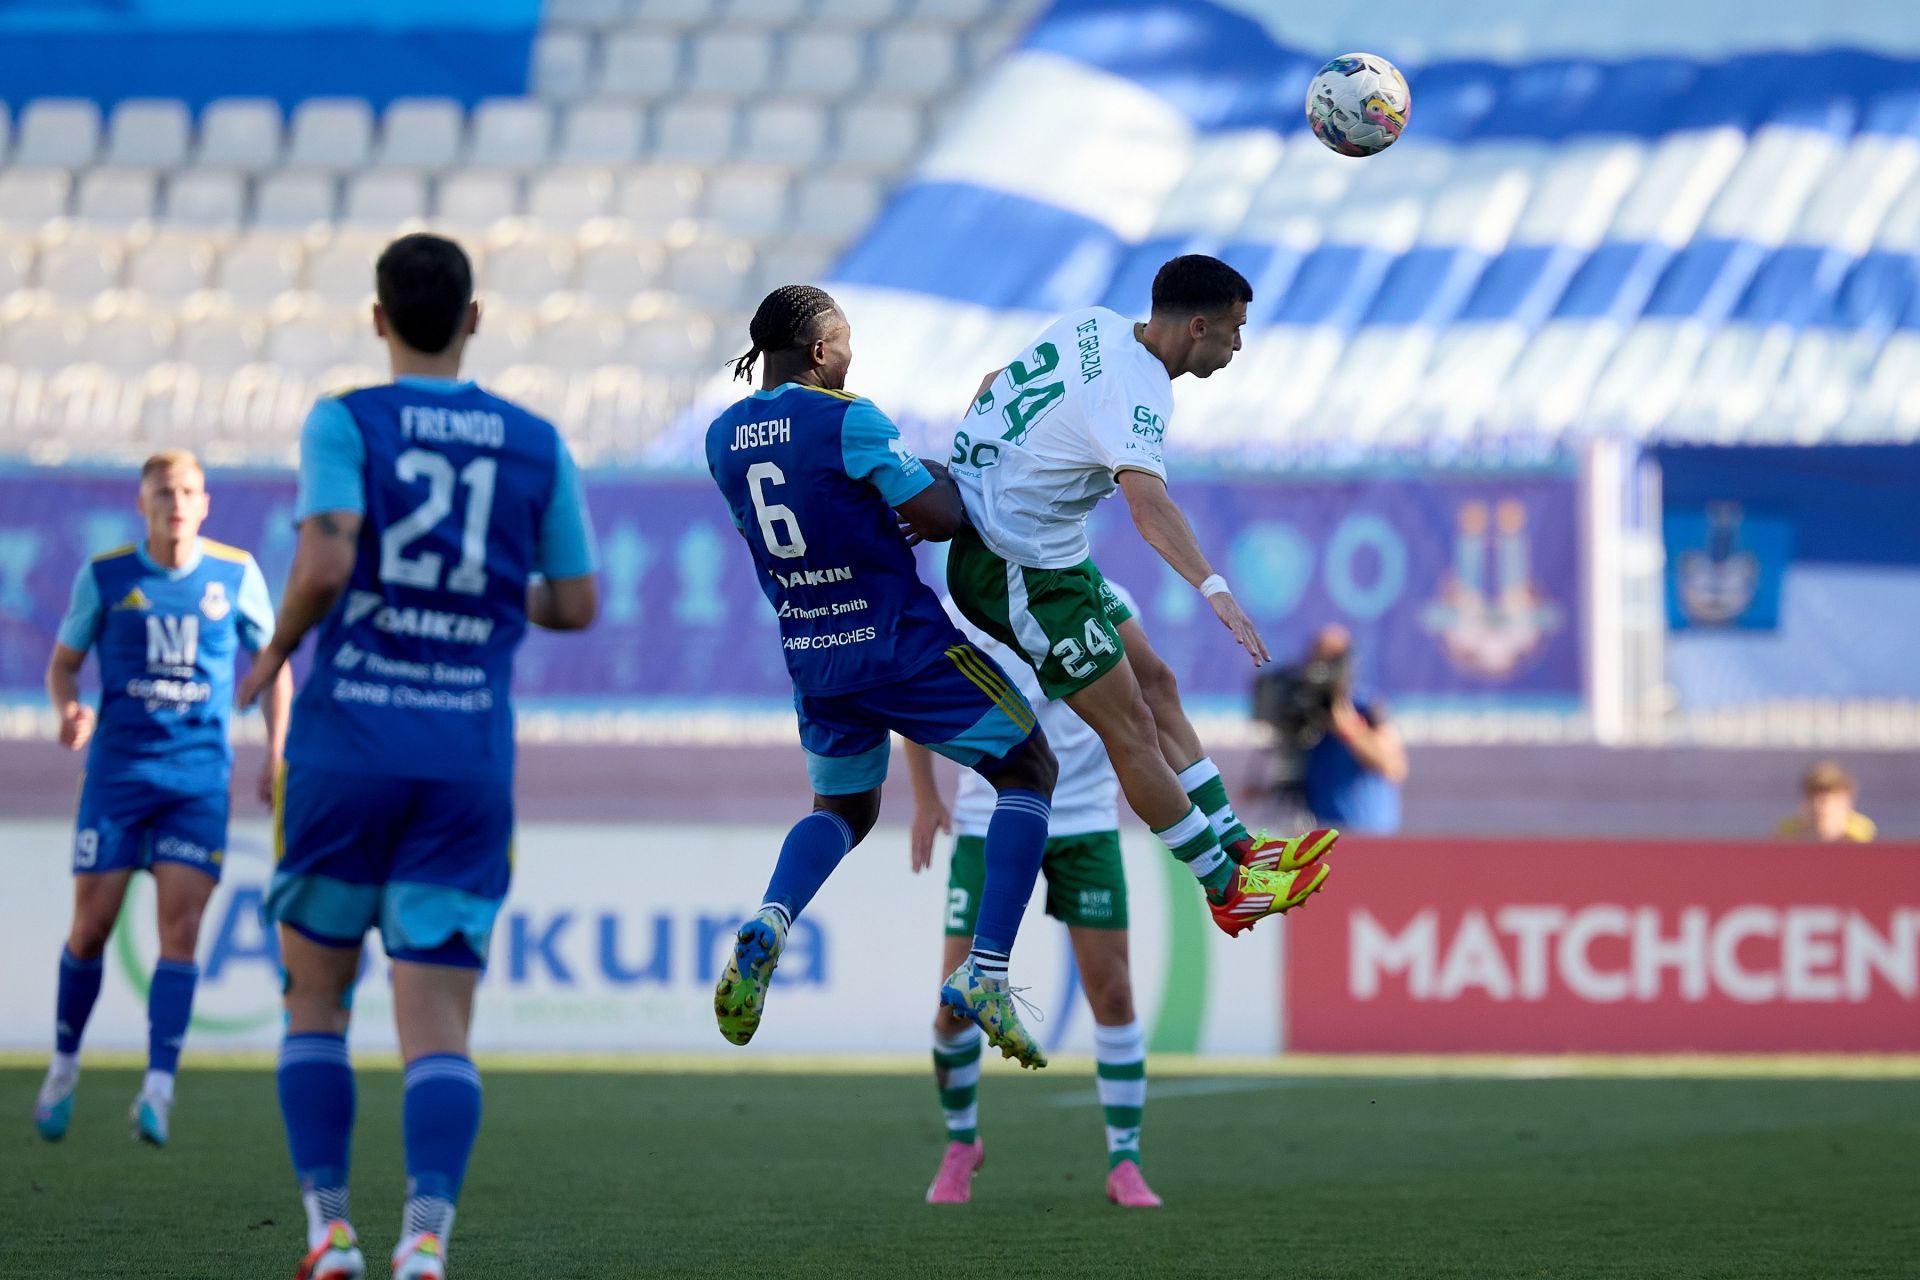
x=782 y=321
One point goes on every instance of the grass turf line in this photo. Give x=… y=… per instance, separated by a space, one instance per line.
x=683 y=1175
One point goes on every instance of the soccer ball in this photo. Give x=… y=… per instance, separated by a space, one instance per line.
x=1358 y=104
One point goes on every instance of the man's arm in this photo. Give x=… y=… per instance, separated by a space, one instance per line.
x=930 y=814
x=563 y=604
x=566 y=597
x=276 y=709
x=936 y=513
x=63 y=689
x=322 y=564
x=1378 y=747
x=1165 y=528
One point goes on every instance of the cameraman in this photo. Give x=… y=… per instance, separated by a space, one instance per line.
x=1336 y=755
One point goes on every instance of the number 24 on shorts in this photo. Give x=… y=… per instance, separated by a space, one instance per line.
x=1075 y=660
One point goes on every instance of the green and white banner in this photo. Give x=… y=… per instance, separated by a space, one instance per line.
x=613 y=937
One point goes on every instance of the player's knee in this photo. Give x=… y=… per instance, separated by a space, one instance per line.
x=1111 y=999
x=180 y=932
x=859 y=811
x=1042 y=767
x=1159 y=687
x=87 y=940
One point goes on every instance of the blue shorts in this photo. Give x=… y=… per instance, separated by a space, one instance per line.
x=128 y=824
x=961 y=705
x=426 y=861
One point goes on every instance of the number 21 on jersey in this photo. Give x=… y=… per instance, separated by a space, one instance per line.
x=422 y=570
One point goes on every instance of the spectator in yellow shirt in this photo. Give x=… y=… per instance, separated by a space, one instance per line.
x=1827 y=792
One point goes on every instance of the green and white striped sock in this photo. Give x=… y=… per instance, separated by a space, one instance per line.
x=1120 y=1061
x=1193 y=842
x=1204 y=786
x=956 y=1070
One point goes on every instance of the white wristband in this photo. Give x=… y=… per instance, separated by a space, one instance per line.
x=1215 y=585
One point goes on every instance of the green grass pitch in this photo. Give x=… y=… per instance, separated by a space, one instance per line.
x=581 y=1175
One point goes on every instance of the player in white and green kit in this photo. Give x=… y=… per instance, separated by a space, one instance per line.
x=1081 y=413
x=1086 y=891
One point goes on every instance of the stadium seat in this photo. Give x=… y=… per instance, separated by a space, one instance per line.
x=566 y=198
x=129 y=339
x=768 y=13
x=258 y=269
x=16 y=263
x=115 y=197
x=823 y=65
x=239 y=133
x=834 y=206
x=421 y=133
x=699 y=130
x=206 y=199
x=306 y=339
x=79 y=269
x=340 y=275
x=562 y=65
x=527 y=271
x=601 y=133
x=730 y=62
x=169 y=269
x=330 y=133
x=749 y=203
x=615 y=271
x=858 y=15
x=62 y=133
x=955 y=13
x=665 y=340
x=43 y=340
x=216 y=338
x=789 y=263
x=673 y=15
x=656 y=198
x=791 y=132
x=585 y=13
x=148 y=133
x=510 y=133
x=473 y=201
x=915 y=62
x=289 y=200
x=385 y=198
x=711 y=272
x=29 y=197
x=579 y=337
x=639 y=64
x=877 y=134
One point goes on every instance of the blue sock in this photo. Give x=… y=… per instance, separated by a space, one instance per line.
x=440 y=1120
x=1016 y=845
x=169 y=1007
x=813 y=849
x=79 y=988
x=317 y=1102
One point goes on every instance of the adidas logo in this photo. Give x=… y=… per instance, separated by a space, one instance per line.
x=134 y=599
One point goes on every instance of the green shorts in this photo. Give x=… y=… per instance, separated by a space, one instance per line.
x=1064 y=622
x=1086 y=882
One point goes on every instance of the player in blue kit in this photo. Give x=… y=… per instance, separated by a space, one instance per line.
x=166 y=617
x=436 y=522
x=819 y=485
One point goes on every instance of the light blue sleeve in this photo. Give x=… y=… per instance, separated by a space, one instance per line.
x=870 y=445
x=256 y=606
x=332 y=459
x=82 y=623
x=566 y=532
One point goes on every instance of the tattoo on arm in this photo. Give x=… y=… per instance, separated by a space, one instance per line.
x=331 y=526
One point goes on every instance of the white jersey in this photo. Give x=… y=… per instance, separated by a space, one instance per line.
x=1044 y=442
x=1087 y=793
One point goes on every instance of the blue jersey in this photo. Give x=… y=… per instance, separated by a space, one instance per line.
x=812 y=478
x=463 y=497
x=166 y=641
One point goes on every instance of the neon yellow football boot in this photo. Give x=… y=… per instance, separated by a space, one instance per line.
x=989 y=1004
x=742 y=992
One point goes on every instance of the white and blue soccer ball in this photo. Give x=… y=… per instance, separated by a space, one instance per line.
x=1358 y=104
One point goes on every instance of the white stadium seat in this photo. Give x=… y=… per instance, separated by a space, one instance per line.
x=129 y=339
x=749 y=203
x=768 y=13
x=208 y=199
x=711 y=272
x=59 y=133
x=16 y=263
x=330 y=133
x=698 y=130
x=218 y=340
x=601 y=133
x=260 y=268
x=562 y=65
x=148 y=133
x=654 y=199
x=566 y=198
x=639 y=64
x=79 y=269
x=878 y=133
x=239 y=133
x=385 y=198
x=29 y=197
x=792 y=131
x=115 y=197
x=858 y=15
x=738 y=64
x=617 y=271
x=510 y=133
x=526 y=271
x=834 y=206
x=823 y=65
x=341 y=274
x=44 y=341
x=673 y=15
x=421 y=133
x=474 y=201
x=171 y=269
x=291 y=200
x=916 y=62
x=585 y=13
